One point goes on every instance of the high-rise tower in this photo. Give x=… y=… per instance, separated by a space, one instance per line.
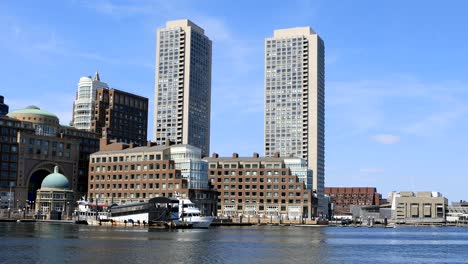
x=112 y=113
x=182 y=102
x=83 y=107
x=295 y=99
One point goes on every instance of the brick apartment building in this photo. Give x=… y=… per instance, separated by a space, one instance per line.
x=125 y=173
x=344 y=197
x=121 y=116
x=262 y=186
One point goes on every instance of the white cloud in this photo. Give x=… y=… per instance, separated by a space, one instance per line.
x=399 y=103
x=386 y=138
x=436 y=121
x=371 y=170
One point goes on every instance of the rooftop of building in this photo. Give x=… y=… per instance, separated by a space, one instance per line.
x=254 y=158
x=114 y=90
x=184 y=23
x=113 y=147
x=293 y=32
x=350 y=190
x=55 y=180
x=32 y=110
x=420 y=194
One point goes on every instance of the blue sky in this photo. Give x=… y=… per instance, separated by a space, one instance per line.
x=396 y=75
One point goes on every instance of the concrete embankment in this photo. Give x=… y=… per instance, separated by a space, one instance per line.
x=248 y=221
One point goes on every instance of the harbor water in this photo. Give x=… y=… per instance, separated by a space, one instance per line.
x=69 y=243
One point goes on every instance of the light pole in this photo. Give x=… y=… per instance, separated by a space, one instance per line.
x=28 y=207
x=68 y=209
x=9 y=198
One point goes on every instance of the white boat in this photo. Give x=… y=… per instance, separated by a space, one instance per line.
x=183 y=212
x=131 y=213
x=85 y=215
x=191 y=215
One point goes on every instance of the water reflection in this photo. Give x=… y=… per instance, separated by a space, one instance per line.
x=58 y=243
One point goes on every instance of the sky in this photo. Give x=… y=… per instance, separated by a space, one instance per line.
x=396 y=75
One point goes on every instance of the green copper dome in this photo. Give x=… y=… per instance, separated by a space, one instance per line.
x=56 y=180
x=32 y=110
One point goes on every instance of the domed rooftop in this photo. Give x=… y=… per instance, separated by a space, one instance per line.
x=55 y=180
x=32 y=110
x=86 y=79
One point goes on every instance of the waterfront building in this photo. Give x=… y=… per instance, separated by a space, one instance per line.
x=182 y=102
x=295 y=99
x=83 y=107
x=370 y=214
x=261 y=186
x=55 y=199
x=124 y=173
x=3 y=106
x=345 y=197
x=112 y=113
x=188 y=160
x=121 y=116
x=420 y=207
x=33 y=143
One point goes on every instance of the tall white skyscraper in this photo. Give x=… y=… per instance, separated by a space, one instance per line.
x=83 y=106
x=182 y=102
x=295 y=99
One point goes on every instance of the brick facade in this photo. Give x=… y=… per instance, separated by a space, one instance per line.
x=344 y=197
x=259 y=186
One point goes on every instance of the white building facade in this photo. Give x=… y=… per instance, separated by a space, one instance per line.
x=188 y=160
x=83 y=106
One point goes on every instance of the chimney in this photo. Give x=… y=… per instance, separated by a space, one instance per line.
x=215 y=155
x=103 y=143
x=277 y=155
x=255 y=155
x=167 y=142
x=235 y=155
x=150 y=144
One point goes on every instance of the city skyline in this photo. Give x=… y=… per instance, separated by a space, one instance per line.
x=396 y=107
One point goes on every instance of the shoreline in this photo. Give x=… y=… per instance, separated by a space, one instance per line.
x=234 y=224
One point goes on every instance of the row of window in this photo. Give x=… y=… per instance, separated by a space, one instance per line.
x=290 y=180
x=132 y=195
x=262 y=201
x=126 y=158
x=133 y=186
x=248 y=173
x=262 y=187
x=132 y=177
x=132 y=167
x=267 y=194
x=246 y=166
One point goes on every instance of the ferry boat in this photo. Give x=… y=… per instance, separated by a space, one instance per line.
x=162 y=211
x=85 y=215
x=135 y=212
